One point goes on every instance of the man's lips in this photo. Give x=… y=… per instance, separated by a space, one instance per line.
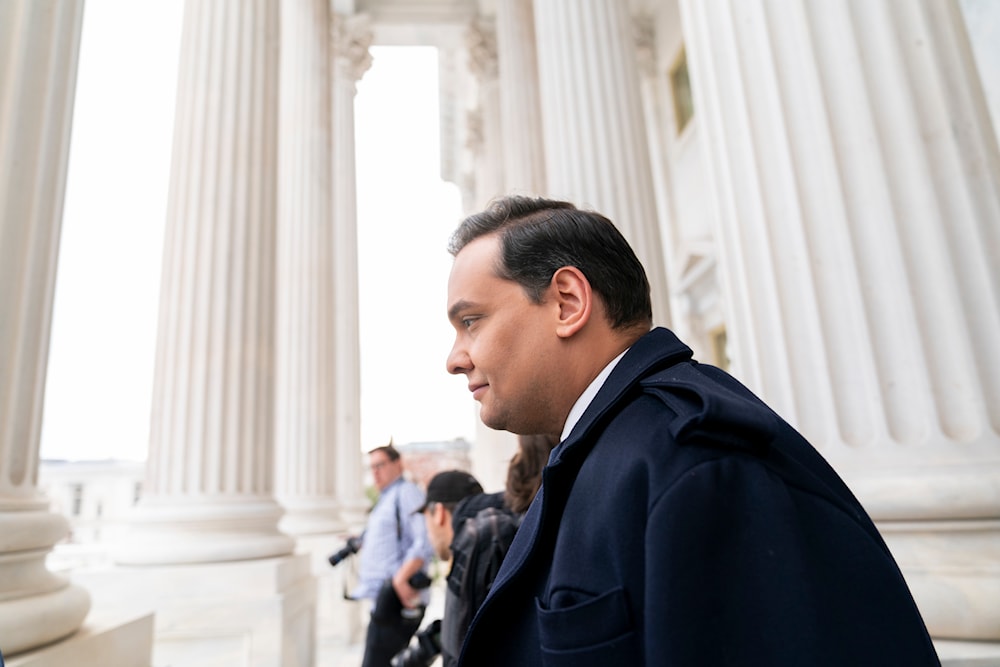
x=477 y=390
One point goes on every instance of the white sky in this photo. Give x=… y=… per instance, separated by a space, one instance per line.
x=99 y=388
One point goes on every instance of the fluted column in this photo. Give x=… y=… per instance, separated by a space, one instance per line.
x=351 y=35
x=487 y=148
x=857 y=183
x=209 y=488
x=596 y=149
x=520 y=108
x=652 y=87
x=982 y=20
x=39 y=48
x=305 y=382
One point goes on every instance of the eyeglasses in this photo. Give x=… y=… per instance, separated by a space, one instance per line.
x=375 y=467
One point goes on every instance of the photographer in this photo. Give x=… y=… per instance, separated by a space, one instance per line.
x=393 y=550
x=479 y=529
x=446 y=491
x=474 y=530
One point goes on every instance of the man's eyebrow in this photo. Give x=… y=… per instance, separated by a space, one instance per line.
x=458 y=307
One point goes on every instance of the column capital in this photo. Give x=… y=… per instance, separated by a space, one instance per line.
x=481 y=42
x=644 y=36
x=351 y=37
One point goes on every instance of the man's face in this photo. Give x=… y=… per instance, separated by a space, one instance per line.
x=504 y=343
x=439 y=530
x=383 y=470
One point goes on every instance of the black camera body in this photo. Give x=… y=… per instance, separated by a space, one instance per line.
x=388 y=607
x=420 y=580
x=352 y=546
x=424 y=652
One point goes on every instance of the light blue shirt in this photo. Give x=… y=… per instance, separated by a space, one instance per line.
x=393 y=535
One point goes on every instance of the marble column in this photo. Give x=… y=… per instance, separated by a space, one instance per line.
x=492 y=150
x=39 y=48
x=520 y=108
x=857 y=185
x=305 y=379
x=653 y=93
x=596 y=148
x=982 y=20
x=209 y=489
x=487 y=147
x=350 y=36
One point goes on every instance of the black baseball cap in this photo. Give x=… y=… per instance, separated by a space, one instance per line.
x=451 y=486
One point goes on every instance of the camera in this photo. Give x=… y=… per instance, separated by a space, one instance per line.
x=388 y=607
x=424 y=652
x=420 y=580
x=352 y=546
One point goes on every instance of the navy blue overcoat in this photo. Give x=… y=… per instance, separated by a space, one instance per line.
x=682 y=523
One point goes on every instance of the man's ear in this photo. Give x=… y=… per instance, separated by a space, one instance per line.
x=572 y=293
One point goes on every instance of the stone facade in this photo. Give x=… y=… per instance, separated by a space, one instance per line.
x=814 y=188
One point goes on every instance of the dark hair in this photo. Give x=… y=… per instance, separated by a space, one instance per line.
x=539 y=236
x=388 y=450
x=524 y=474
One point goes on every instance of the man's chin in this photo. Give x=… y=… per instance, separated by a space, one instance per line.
x=512 y=422
x=495 y=425
x=490 y=420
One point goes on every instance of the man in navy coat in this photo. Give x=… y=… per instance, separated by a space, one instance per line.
x=680 y=520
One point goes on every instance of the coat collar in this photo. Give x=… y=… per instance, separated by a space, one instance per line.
x=656 y=349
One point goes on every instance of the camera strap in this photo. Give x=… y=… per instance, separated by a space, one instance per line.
x=399 y=521
x=352 y=565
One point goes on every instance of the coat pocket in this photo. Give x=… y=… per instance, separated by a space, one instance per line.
x=587 y=630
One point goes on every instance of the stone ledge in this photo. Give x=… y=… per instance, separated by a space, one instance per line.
x=122 y=640
x=967 y=654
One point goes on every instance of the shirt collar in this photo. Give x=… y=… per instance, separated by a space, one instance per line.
x=394 y=483
x=587 y=397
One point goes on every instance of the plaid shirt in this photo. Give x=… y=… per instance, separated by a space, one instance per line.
x=393 y=535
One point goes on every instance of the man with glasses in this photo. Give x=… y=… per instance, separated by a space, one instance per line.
x=394 y=548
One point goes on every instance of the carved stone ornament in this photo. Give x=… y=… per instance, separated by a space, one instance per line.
x=350 y=37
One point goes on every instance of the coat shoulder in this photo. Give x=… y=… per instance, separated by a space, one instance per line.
x=710 y=407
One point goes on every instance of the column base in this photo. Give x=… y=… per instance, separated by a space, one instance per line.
x=340 y=621
x=203 y=530
x=35 y=620
x=967 y=654
x=310 y=516
x=354 y=516
x=260 y=612
x=37 y=606
x=105 y=639
x=953 y=571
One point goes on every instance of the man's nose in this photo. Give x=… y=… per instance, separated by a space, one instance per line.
x=458 y=361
